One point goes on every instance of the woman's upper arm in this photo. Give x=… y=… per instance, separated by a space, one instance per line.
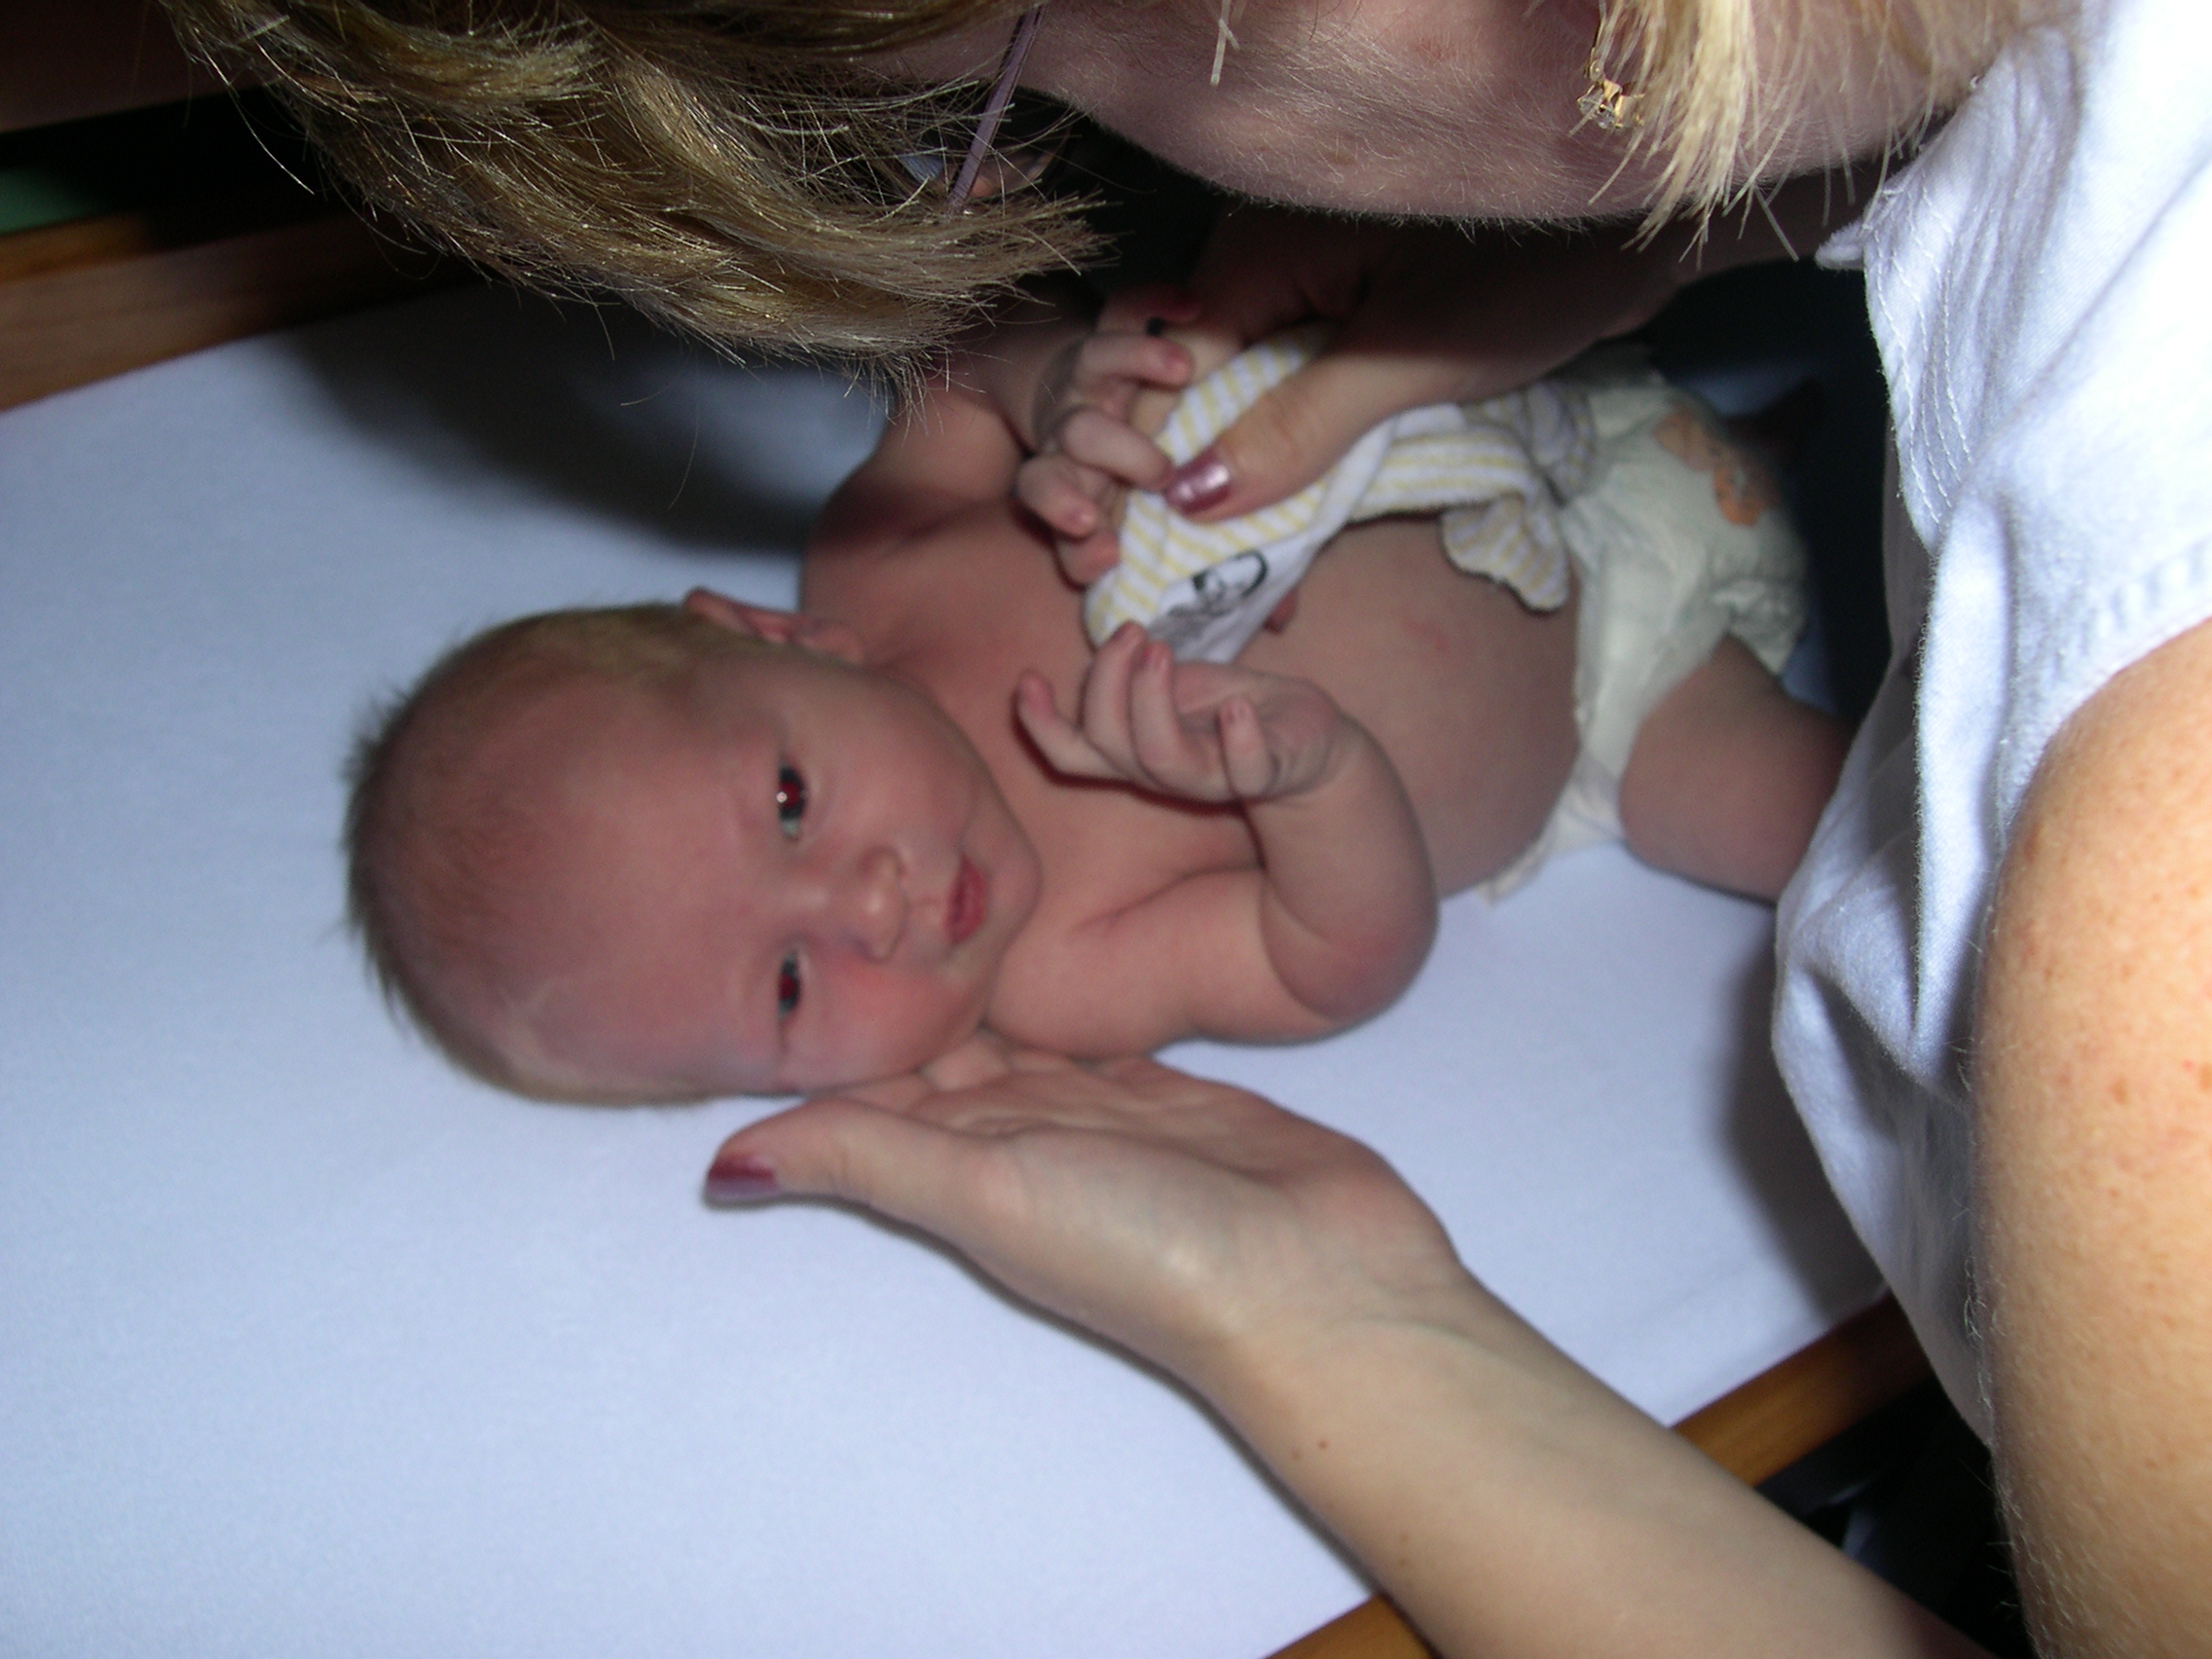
x=2094 y=1166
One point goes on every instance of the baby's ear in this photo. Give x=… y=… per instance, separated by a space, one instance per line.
x=824 y=635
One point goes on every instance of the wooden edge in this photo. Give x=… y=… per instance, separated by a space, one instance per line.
x=66 y=322
x=1762 y=1428
x=98 y=239
x=1753 y=1432
x=1373 y=1630
x=68 y=59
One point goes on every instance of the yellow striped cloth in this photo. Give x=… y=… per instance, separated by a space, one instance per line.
x=1496 y=471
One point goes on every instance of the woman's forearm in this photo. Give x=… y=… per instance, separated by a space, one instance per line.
x=1513 y=1506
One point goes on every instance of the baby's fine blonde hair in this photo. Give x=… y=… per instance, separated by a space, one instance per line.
x=732 y=168
x=428 y=862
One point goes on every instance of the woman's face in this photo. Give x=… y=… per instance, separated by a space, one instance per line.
x=1458 y=107
x=1455 y=108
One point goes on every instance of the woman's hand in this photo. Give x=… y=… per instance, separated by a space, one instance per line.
x=1426 y=314
x=1501 y=1495
x=1198 y=1225
x=1194 y=730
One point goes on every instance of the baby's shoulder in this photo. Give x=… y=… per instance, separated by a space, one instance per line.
x=974 y=572
x=960 y=609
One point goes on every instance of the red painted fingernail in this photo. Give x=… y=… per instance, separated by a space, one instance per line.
x=1198 y=482
x=736 y=1179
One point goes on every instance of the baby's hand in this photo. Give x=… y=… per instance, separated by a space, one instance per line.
x=1088 y=454
x=1198 y=730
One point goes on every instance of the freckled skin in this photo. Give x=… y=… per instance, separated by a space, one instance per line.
x=2093 y=1162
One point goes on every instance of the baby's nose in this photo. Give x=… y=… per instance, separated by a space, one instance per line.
x=874 y=910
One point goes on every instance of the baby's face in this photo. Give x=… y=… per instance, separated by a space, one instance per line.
x=798 y=875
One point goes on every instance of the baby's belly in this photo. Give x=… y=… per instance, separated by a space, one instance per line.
x=1470 y=693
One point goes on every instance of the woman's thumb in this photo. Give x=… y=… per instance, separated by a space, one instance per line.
x=1298 y=430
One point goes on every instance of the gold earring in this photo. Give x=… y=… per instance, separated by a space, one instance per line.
x=1609 y=104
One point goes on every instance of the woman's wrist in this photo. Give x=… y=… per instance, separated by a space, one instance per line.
x=1281 y=1377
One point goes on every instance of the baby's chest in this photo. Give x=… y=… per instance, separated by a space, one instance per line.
x=1106 y=847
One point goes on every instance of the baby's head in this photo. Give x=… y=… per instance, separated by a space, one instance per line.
x=667 y=852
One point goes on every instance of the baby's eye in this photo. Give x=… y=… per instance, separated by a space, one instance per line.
x=790 y=801
x=786 y=985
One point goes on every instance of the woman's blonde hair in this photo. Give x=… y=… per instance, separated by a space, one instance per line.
x=727 y=166
x=732 y=168
x=1709 y=90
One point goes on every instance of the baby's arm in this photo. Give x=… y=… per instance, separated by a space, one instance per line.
x=1341 y=913
x=1013 y=387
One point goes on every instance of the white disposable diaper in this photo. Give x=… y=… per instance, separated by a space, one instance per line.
x=1679 y=539
x=1675 y=537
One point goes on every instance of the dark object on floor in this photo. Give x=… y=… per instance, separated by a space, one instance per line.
x=1909 y=1495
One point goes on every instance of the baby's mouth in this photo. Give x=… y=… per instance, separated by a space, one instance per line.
x=965 y=905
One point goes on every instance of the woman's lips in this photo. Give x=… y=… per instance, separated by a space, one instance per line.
x=964 y=906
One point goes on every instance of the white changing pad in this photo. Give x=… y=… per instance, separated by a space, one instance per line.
x=310 y=1346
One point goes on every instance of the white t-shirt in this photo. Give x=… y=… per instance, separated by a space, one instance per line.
x=2039 y=281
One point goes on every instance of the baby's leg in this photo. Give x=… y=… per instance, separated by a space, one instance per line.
x=1728 y=776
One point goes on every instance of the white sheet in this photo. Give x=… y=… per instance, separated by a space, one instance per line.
x=308 y=1346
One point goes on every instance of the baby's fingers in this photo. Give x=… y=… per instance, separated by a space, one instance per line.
x=1083 y=560
x=1063 y=746
x=1245 y=756
x=1069 y=497
x=1094 y=438
x=1175 y=751
x=1114 y=367
x=1106 y=692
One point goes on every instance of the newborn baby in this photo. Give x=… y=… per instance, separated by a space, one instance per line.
x=670 y=852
